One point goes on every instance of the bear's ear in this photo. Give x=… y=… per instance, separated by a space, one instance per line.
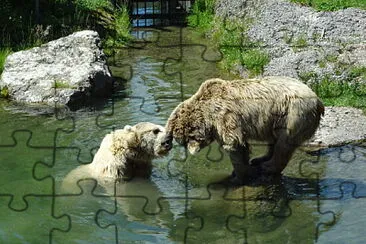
x=123 y=140
x=128 y=127
x=132 y=139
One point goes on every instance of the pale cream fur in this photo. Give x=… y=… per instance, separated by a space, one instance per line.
x=124 y=154
x=281 y=111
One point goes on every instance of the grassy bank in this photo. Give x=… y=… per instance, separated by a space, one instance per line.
x=349 y=92
x=332 y=5
x=229 y=37
x=238 y=50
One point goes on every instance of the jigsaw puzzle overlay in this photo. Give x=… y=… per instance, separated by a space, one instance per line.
x=319 y=198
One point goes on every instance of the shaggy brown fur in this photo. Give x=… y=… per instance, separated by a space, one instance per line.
x=281 y=111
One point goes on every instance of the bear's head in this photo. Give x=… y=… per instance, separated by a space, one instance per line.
x=189 y=128
x=153 y=139
x=143 y=141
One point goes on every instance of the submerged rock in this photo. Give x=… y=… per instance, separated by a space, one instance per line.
x=66 y=71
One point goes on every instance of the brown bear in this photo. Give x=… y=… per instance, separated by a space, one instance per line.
x=125 y=153
x=281 y=111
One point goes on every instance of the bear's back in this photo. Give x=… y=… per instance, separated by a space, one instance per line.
x=267 y=88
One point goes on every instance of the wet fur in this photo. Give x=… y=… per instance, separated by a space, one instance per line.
x=124 y=154
x=281 y=111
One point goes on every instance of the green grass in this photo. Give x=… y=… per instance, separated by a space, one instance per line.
x=255 y=60
x=121 y=26
x=358 y=72
x=202 y=16
x=237 y=49
x=3 y=54
x=350 y=92
x=92 y=4
x=332 y=5
x=300 y=42
x=335 y=93
x=229 y=36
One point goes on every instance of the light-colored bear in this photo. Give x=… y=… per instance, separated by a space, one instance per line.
x=281 y=111
x=124 y=154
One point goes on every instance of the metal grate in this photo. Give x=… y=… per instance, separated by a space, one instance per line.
x=158 y=12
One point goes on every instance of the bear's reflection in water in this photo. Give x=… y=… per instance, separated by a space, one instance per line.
x=282 y=208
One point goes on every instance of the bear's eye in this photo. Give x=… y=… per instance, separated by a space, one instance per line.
x=156 y=131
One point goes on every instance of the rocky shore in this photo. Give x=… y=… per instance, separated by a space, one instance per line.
x=302 y=42
x=311 y=46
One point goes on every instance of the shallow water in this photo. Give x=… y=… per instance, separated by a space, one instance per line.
x=321 y=196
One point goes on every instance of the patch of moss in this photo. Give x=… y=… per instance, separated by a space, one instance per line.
x=322 y=63
x=58 y=84
x=300 y=43
x=4 y=92
x=331 y=58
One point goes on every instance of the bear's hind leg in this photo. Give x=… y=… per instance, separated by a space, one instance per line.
x=282 y=152
x=258 y=161
x=242 y=169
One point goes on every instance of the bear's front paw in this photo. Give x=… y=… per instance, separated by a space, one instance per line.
x=258 y=161
x=235 y=180
x=269 y=167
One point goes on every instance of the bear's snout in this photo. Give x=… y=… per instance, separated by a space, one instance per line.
x=167 y=142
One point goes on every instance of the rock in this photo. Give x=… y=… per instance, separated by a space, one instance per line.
x=354 y=55
x=66 y=71
x=339 y=126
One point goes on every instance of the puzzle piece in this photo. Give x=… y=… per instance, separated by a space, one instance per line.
x=273 y=212
x=35 y=224
x=82 y=209
x=348 y=205
x=17 y=174
x=58 y=167
x=141 y=214
x=214 y=225
x=335 y=166
x=341 y=191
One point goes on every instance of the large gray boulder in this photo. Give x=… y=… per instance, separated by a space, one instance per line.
x=66 y=71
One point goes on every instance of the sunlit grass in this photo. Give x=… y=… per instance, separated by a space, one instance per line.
x=332 y=5
x=335 y=93
x=3 y=54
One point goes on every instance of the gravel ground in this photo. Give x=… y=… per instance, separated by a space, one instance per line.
x=339 y=126
x=301 y=40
